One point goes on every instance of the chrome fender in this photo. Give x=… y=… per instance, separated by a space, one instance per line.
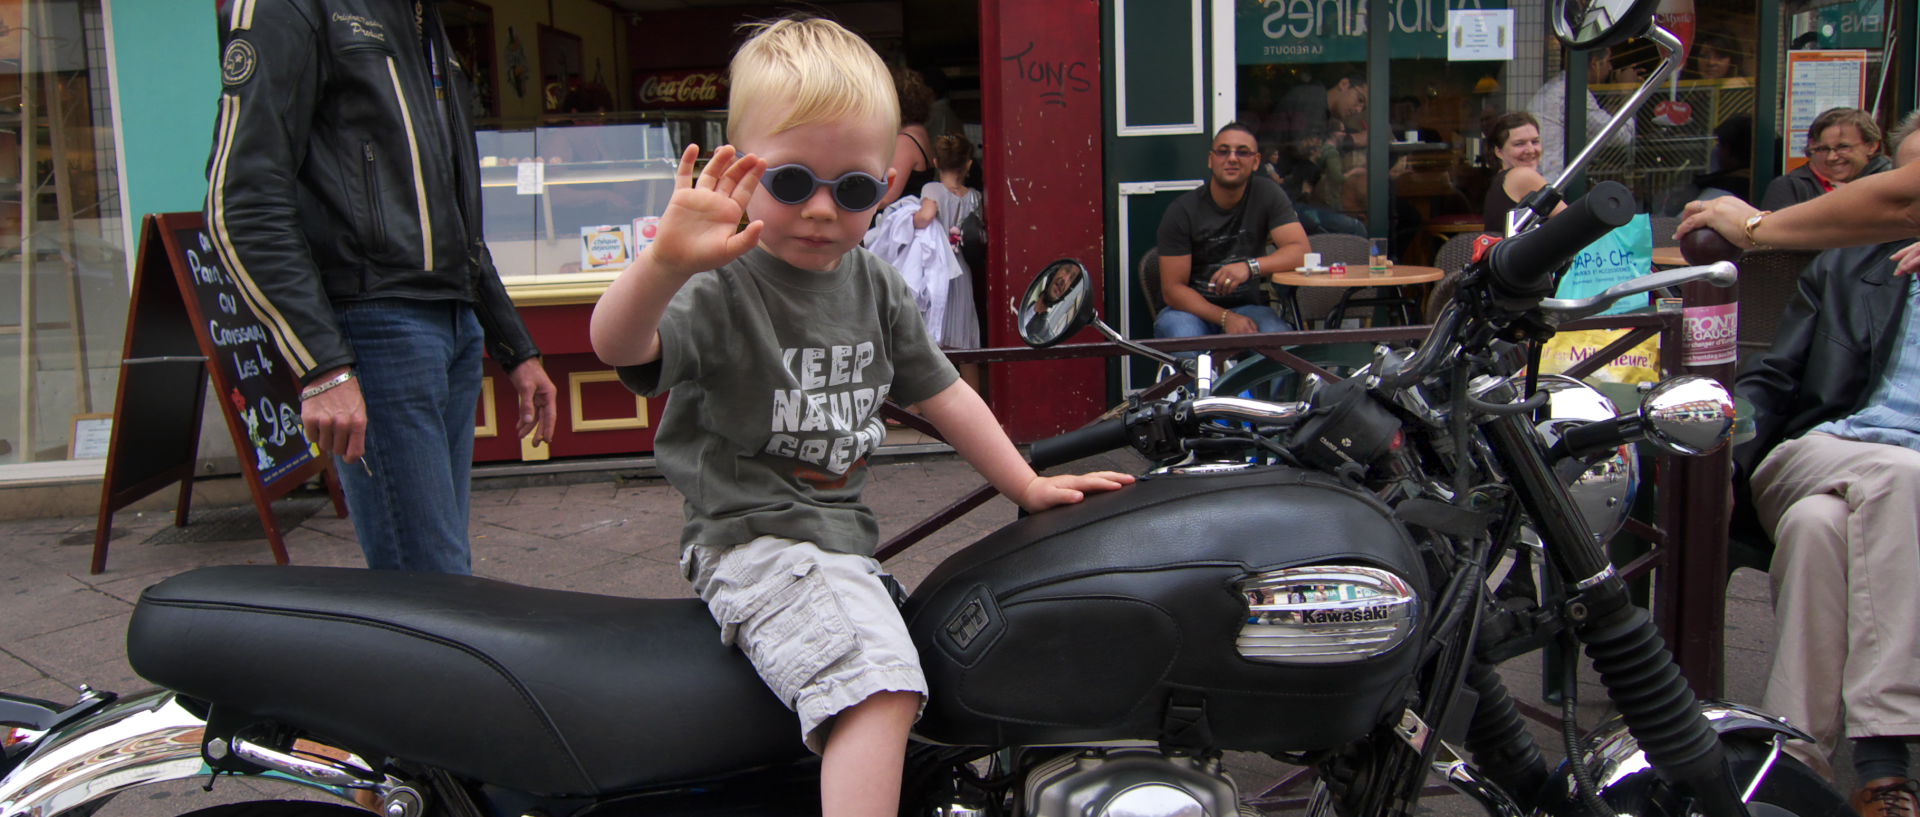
x=1616 y=762
x=135 y=741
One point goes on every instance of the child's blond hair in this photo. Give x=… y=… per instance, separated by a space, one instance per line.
x=813 y=68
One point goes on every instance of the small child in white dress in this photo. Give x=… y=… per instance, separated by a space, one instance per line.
x=949 y=201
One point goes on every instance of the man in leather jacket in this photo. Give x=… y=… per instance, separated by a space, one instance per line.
x=1834 y=471
x=344 y=199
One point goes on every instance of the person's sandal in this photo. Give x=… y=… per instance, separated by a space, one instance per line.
x=1887 y=797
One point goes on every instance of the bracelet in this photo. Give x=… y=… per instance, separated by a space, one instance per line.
x=1223 y=318
x=323 y=387
x=1753 y=223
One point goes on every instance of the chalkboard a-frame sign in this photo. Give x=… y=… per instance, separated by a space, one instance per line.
x=185 y=321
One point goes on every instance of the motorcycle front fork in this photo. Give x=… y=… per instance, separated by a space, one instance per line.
x=1621 y=640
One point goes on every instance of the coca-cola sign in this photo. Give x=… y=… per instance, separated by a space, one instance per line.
x=680 y=89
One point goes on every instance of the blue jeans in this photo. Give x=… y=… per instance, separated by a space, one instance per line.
x=1179 y=323
x=418 y=364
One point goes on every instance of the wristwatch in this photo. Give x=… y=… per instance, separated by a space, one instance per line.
x=1753 y=223
x=1253 y=268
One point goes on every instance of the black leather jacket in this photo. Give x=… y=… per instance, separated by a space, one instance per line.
x=1831 y=348
x=337 y=177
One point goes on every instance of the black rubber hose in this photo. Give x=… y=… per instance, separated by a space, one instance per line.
x=1499 y=742
x=1645 y=684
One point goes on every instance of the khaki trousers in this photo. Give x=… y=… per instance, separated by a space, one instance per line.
x=1846 y=519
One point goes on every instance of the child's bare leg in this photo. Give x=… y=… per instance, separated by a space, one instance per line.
x=861 y=767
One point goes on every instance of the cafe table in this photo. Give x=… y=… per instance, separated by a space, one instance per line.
x=1668 y=257
x=1359 y=278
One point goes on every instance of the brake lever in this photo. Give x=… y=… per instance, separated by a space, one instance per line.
x=1720 y=273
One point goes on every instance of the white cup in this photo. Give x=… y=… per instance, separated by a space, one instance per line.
x=1312 y=260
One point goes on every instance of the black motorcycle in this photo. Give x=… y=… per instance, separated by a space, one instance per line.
x=1329 y=581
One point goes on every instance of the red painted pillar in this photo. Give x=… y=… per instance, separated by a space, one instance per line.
x=1041 y=88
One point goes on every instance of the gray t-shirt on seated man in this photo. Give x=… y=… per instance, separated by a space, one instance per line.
x=1195 y=225
x=777 y=376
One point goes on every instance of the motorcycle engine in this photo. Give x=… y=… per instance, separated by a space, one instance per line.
x=1130 y=783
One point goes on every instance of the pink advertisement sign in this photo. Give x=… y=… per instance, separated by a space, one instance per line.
x=1708 y=334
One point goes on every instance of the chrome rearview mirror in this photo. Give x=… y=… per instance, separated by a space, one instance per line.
x=1688 y=415
x=1059 y=303
x=1588 y=24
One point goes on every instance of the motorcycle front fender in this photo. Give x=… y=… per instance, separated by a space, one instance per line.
x=135 y=741
x=1616 y=761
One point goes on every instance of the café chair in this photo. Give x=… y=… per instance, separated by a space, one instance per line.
x=1769 y=280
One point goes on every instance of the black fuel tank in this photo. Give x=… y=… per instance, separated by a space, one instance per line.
x=1080 y=624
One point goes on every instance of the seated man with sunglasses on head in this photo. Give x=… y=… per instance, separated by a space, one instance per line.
x=779 y=341
x=1213 y=246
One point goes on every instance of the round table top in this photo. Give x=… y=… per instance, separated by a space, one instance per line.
x=1669 y=257
x=1358 y=276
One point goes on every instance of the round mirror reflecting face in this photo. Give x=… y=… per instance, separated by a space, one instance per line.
x=1688 y=415
x=1585 y=24
x=1058 y=303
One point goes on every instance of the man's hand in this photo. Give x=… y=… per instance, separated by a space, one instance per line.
x=1045 y=492
x=537 y=396
x=700 y=229
x=336 y=419
x=1238 y=324
x=1229 y=276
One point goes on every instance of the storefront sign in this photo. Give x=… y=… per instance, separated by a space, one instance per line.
x=1311 y=31
x=1854 y=24
x=680 y=89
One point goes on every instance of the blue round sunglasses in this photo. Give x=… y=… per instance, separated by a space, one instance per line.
x=792 y=184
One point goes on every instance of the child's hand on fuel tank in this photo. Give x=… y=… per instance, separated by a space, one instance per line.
x=700 y=229
x=1045 y=492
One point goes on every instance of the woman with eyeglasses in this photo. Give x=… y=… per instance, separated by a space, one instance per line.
x=1515 y=140
x=1843 y=144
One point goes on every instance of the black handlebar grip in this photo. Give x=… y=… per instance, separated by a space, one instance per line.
x=1601 y=435
x=1098 y=438
x=1522 y=266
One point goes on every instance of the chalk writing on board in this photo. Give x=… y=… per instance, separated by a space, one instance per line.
x=261 y=391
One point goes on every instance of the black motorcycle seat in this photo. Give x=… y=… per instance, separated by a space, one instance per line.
x=543 y=691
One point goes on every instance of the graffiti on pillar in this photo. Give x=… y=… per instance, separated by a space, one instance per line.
x=1057 y=80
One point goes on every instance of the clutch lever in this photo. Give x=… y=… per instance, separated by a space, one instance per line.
x=1720 y=273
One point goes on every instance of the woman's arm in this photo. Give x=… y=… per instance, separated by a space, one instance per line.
x=1879 y=208
x=1522 y=181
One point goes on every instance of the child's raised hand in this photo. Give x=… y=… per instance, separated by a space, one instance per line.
x=701 y=228
x=1045 y=492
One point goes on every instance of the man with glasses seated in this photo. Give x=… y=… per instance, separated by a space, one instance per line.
x=1843 y=144
x=1213 y=246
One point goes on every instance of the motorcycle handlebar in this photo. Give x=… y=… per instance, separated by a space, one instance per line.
x=1098 y=438
x=1522 y=266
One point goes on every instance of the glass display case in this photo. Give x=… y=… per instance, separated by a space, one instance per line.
x=567 y=207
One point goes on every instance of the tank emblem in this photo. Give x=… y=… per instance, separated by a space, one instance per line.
x=967 y=624
x=1347 y=616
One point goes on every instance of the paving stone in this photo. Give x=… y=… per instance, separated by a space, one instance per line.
x=73 y=654
x=52 y=604
x=15 y=672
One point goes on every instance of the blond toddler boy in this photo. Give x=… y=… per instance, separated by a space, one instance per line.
x=779 y=341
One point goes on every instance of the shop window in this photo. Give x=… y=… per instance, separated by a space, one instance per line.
x=62 y=257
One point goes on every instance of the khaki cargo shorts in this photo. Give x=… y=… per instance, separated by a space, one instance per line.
x=820 y=627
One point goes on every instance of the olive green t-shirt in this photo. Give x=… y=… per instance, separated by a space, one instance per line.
x=777 y=376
